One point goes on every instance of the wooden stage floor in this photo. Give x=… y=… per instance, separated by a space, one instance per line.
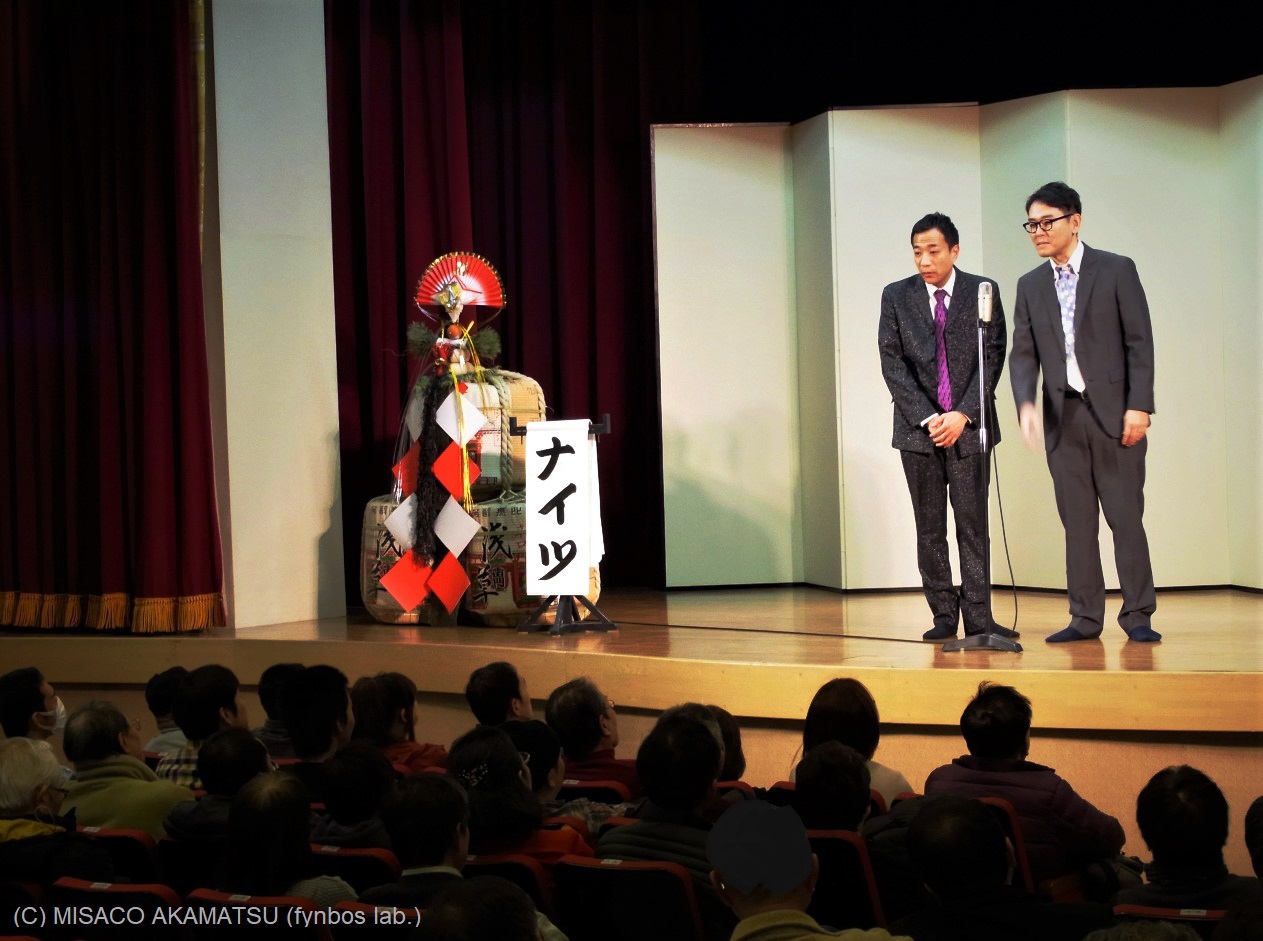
x=763 y=652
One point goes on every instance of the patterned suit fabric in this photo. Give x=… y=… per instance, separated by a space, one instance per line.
x=909 y=358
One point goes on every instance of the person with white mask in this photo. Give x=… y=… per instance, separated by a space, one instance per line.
x=29 y=706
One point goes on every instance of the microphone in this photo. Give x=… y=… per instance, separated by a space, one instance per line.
x=984 y=302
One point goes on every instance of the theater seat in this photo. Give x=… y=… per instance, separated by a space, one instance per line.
x=617 y=900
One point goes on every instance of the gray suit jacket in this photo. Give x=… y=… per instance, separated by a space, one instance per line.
x=1113 y=341
x=905 y=337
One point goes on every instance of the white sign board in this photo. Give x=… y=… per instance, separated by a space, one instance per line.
x=562 y=507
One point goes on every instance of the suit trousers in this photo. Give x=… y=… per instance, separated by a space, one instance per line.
x=933 y=479
x=1091 y=469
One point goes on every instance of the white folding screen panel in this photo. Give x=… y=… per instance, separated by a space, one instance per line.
x=890 y=168
x=727 y=346
x=1169 y=177
x=1241 y=238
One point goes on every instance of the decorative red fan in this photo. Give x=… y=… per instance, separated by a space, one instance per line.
x=460 y=277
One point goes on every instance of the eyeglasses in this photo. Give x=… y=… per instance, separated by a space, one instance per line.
x=60 y=790
x=1045 y=224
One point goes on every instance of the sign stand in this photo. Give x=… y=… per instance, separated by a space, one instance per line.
x=566 y=620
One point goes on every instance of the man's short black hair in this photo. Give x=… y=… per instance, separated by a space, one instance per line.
x=536 y=739
x=92 y=732
x=1254 y=835
x=230 y=758
x=422 y=815
x=996 y=722
x=957 y=845
x=936 y=220
x=1058 y=195
x=20 y=698
x=678 y=762
x=491 y=690
x=1183 y=817
x=575 y=710
x=160 y=691
x=199 y=698
x=833 y=787
x=313 y=704
x=484 y=908
x=271 y=682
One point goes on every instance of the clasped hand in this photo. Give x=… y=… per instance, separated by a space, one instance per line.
x=945 y=429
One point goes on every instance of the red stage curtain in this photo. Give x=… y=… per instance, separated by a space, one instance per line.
x=533 y=121
x=107 y=500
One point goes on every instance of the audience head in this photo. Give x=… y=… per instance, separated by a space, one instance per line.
x=958 y=845
x=427 y=818
x=734 y=755
x=497 y=693
x=206 y=701
x=98 y=730
x=271 y=683
x=316 y=709
x=503 y=811
x=543 y=748
x=833 y=788
x=31 y=781
x=385 y=708
x=29 y=706
x=583 y=717
x=1183 y=818
x=230 y=758
x=160 y=692
x=1254 y=835
x=760 y=859
x=997 y=722
x=843 y=710
x=356 y=780
x=269 y=827
x=678 y=762
x=485 y=908
x=698 y=713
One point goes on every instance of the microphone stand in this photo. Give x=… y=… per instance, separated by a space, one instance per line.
x=986 y=640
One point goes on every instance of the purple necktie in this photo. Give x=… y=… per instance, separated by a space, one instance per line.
x=940 y=351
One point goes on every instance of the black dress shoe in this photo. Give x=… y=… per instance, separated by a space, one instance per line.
x=1068 y=635
x=940 y=632
x=998 y=630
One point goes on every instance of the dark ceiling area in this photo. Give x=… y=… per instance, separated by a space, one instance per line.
x=813 y=59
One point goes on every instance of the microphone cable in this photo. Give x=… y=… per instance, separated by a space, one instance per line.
x=1004 y=534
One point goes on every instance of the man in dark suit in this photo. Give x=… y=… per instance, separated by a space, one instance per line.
x=929 y=358
x=1084 y=321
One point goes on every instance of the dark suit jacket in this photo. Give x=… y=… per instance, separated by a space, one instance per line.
x=905 y=337
x=1113 y=341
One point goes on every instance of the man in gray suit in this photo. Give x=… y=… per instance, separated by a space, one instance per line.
x=928 y=341
x=1083 y=319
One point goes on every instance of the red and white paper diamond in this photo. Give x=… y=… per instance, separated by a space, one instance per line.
x=447 y=470
x=406 y=581
x=448 y=581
